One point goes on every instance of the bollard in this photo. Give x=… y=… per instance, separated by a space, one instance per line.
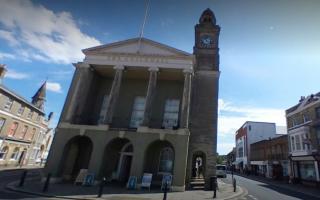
x=23 y=177
x=46 y=184
x=234 y=185
x=165 y=191
x=214 y=184
x=102 y=183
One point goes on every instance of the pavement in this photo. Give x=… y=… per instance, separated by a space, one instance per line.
x=112 y=192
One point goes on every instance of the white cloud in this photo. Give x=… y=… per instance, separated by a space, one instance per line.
x=54 y=87
x=224 y=148
x=12 y=74
x=6 y=55
x=232 y=117
x=47 y=36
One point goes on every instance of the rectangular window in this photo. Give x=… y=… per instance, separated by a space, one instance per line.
x=103 y=110
x=15 y=154
x=24 y=132
x=318 y=112
x=293 y=144
x=171 y=113
x=38 y=118
x=13 y=129
x=8 y=104
x=298 y=143
x=30 y=114
x=21 y=110
x=306 y=118
x=318 y=135
x=137 y=112
x=2 y=121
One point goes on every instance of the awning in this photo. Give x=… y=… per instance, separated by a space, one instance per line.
x=259 y=162
x=301 y=158
x=237 y=162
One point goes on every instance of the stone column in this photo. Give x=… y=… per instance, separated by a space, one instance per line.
x=150 y=95
x=114 y=94
x=74 y=92
x=185 y=107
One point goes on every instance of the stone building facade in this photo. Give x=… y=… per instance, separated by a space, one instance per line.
x=138 y=106
x=303 y=122
x=22 y=126
x=269 y=158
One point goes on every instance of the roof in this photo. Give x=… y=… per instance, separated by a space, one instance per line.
x=17 y=96
x=133 y=40
x=304 y=102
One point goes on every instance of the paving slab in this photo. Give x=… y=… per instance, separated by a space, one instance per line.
x=116 y=192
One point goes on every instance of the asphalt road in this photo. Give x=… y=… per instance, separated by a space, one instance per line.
x=9 y=176
x=262 y=191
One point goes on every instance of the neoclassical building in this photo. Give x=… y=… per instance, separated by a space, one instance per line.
x=138 y=106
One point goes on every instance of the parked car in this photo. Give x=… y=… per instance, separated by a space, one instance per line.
x=221 y=171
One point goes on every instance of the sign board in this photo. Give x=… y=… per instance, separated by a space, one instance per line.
x=167 y=178
x=81 y=176
x=132 y=183
x=146 y=180
x=88 y=180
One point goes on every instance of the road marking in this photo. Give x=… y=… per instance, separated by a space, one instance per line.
x=251 y=196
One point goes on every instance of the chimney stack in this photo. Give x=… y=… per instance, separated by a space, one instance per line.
x=3 y=71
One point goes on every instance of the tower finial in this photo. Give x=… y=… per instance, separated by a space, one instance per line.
x=40 y=96
x=207 y=17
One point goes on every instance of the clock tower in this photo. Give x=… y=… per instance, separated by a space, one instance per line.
x=204 y=104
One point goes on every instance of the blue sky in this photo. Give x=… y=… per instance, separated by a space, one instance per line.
x=269 y=50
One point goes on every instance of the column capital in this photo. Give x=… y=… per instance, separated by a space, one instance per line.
x=153 y=69
x=81 y=65
x=118 y=67
x=188 y=71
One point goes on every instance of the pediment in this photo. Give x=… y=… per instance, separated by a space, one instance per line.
x=136 y=46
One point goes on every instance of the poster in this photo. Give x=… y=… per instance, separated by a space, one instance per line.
x=132 y=183
x=146 y=180
x=88 y=180
x=166 y=179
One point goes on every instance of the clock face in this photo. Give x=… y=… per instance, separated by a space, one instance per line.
x=206 y=41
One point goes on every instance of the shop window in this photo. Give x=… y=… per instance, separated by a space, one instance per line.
x=171 y=113
x=166 y=160
x=3 y=152
x=137 y=112
x=13 y=129
x=307 y=170
x=15 y=154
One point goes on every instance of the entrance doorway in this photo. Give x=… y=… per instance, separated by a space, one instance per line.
x=117 y=160
x=77 y=154
x=198 y=165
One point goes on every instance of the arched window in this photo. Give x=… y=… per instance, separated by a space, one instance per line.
x=15 y=154
x=166 y=160
x=3 y=153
